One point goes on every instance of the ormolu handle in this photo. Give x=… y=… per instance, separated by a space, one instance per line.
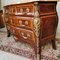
x=25 y=37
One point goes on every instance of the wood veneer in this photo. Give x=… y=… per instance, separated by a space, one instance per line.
x=34 y=23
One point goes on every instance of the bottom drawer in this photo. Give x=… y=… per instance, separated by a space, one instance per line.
x=22 y=35
x=26 y=35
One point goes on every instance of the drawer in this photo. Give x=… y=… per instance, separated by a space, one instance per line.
x=10 y=10
x=9 y=19
x=25 y=22
x=47 y=8
x=27 y=35
x=22 y=35
x=49 y=25
x=20 y=9
x=12 y=20
x=27 y=9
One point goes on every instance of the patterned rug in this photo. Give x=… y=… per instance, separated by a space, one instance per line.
x=10 y=45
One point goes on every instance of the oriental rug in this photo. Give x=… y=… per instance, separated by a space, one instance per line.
x=8 y=44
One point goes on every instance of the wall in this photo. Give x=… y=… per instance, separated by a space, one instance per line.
x=0 y=4
x=58 y=10
x=7 y=2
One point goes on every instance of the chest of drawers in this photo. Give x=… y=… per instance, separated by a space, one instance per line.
x=34 y=23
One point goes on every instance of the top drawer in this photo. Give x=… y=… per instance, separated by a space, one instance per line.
x=24 y=9
x=28 y=8
x=47 y=8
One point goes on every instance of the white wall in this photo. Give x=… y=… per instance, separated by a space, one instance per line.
x=8 y=2
x=58 y=10
x=0 y=4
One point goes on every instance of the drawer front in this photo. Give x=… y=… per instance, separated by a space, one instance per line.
x=10 y=10
x=20 y=9
x=21 y=34
x=47 y=8
x=49 y=24
x=25 y=22
x=10 y=19
x=26 y=35
x=13 y=20
x=25 y=9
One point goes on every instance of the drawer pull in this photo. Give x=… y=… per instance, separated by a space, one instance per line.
x=13 y=31
x=21 y=10
x=6 y=19
x=28 y=35
x=27 y=10
x=11 y=20
x=26 y=22
x=25 y=37
x=20 y=22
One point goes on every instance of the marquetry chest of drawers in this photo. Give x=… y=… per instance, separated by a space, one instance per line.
x=34 y=23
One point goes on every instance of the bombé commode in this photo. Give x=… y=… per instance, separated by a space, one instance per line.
x=34 y=23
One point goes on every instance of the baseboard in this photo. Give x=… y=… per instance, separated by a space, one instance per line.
x=58 y=37
x=58 y=40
